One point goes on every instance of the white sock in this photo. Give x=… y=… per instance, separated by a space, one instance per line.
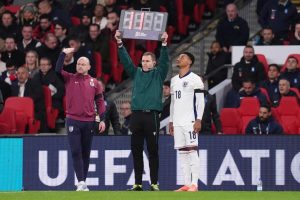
x=195 y=166
x=185 y=165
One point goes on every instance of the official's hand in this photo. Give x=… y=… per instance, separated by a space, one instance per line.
x=197 y=126
x=118 y=36
x=101 y=127
x=68 y=50
x=164 y=37
x=171 y=128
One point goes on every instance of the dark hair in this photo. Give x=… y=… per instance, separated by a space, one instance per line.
x=45 y=16
x=274 y=65
x=268 y=107
x=248 y=80
x=191 y=57
x=294 y=58
x=167 y=83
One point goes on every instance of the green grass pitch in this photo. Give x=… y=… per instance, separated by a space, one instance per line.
x=121 y=195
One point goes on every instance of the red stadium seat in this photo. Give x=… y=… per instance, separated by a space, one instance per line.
x=231 y=121
x=296 y=90
x=116 y=69
x=288 y=112
x=24 y=108
x=265 y=92
x=75 y=21
x=52 y=113
x=261 y=58
x=211 y=5
x=13 y=8
x=298 y=121
x=248 y=110
x=182 y=20
x=198 y=13
x=285 y=63
x=98 y=64
x=8 y=121
x=151 y=45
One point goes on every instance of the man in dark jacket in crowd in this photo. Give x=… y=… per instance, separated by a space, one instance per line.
x=232 y=30
x=249 y=67
x=264 y=123
x=210 y=115
x=249 y=90
x=216 y=59
x=292 y=72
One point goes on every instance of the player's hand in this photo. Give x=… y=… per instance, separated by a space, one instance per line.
x=171 y=128
x=68 y=50
x=197 y=126
x=101 y=127
x=118 y=36
x=164 y=37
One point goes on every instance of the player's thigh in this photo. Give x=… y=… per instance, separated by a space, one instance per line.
x=179 y=137
x=191 y=138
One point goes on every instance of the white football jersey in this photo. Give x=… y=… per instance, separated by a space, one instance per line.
x=183 y=91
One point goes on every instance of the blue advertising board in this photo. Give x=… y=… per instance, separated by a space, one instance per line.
x=11 y=164
x=226 y=163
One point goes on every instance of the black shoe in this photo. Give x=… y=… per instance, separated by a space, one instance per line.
x=136 y=187
x=154 y=187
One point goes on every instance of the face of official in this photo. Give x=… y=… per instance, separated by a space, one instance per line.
x=273 y=73
x=292 y=64
x=248 y=87
x=183 y=61
x=264 y=114
x=147 y=63
x=125 y=109
x=215 y=48
x=166 y=91
x=83 y=65
x=267 y=35
x=284 y=87
x=248 y=53
x=231 y=11
x=22 y=74
x=45 y=66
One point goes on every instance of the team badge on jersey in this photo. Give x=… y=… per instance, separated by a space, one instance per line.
x=71 y=128
x=185 y=83
x=92 y=82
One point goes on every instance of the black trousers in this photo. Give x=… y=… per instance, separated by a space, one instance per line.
x=144 y=125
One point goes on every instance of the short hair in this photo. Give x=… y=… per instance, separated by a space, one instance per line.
x=274 y=65
x=191 y=57
x=96 y=25
x=47 y=59
x=150 y=54
x=10 y=63
x=167 y=83
x=248 y=80
x=45 y=16
x=294 y=58
x=61 y=24
x=268 y=107
x=249 y=46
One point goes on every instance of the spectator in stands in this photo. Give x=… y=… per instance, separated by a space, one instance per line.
x=5 y=89
x=264 y=123
x=249 y=67
x=8 y=26
x=45 y=26
x=82 y=31
x=80 y=50
x=32 y=63
x=10 y=75
x=82 y=6
x=284 y=90
x=268 y=37
x=1 y=101
x=259 y=6
x=48 y=77
x=167 y=100
x=27 y=87
x=113 y=20
x=126 y=113
x=292 y=72
x=232 y=30
x=28 y=15
x=69 y=63
x=50 y=48
x=111 y=115
x=56 y=14
x=210 y=115
x=295 y=39
x=98 y=41
x=271 y=84
x=249 y=89
x=216 y=59
x=280 y=15
x=111 y=5
x=152 y=5
x=60 y=31
x=2 y=8
x=99 y=16
x=27 y=43
x=11 y=52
